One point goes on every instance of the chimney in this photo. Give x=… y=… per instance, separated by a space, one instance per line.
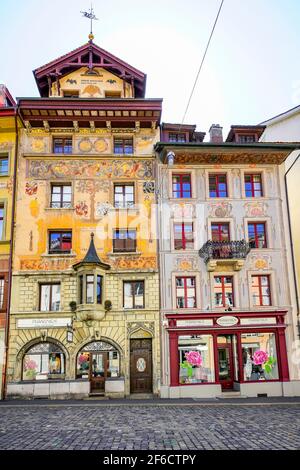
x=216 y=134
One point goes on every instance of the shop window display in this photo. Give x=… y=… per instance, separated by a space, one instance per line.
x=43 y=361
x=259 y=357
x=196 y=359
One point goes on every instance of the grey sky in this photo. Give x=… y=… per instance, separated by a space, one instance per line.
x=252 y=70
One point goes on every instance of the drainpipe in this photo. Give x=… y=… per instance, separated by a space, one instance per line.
x=7 y=319
x=291 y=239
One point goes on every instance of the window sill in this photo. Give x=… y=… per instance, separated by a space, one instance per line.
x=126 y=253
x=59 y=208
x=59 y=255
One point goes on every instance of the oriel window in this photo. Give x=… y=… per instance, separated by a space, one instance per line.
x=62 y=145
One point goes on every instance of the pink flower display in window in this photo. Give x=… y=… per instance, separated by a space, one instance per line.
x=260 y=357
x=194 y=358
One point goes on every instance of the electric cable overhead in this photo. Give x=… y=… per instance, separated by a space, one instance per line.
x=202 y=61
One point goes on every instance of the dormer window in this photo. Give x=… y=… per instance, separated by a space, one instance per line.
x=177 y=137
x=246 y=139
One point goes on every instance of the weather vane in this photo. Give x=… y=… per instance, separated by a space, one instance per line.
x=91 y=16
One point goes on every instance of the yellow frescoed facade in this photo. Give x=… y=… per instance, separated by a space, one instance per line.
x=8 y=136
x=85 y=292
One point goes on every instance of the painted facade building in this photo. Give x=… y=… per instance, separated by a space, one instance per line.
x=8 y=135
x=286 y=128
x=227 y=308
x=85 y=294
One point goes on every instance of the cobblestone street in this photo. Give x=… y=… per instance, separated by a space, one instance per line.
x=150 y=426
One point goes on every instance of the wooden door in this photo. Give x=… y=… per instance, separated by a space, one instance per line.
x=141 y=366
x=98 y=371
x=225 y=363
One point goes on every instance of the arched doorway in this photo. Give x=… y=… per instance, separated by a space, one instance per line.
x=97 y=361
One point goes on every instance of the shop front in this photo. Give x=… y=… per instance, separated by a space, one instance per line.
x=211 y=354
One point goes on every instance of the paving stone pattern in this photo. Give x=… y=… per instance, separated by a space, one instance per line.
x=148 y=427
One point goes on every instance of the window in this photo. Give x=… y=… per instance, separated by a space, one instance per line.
x=123 y=146
x=253 y=186
x=196 y=359
x=61 y=196
x=3 y=166
x=246 y=139
x=134 y=294
x=218 y=186
x=173 y=137
x=71 y=94
x=88 y=295
x=181 y=186
x=123 y=196
x=261 y=293
x=257 y=235
x=43 y=361
x=124 y=240
x=223 y=291
x=90 y=289
x=62 y=145
x=185 y=292
x=1 y=221
x=220 y=232
x=183 y=236
x=259 y=356
x=60 y=242
x=81 y=289
x=2 y=286
x=49 y=297
x=112 y=94
x=99 y=289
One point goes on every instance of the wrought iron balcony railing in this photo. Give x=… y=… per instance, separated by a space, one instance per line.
x=224 y=250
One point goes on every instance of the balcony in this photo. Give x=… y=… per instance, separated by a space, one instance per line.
x=224 y=255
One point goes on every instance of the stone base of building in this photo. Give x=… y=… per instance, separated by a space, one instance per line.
x=191 y=391
x=63 y=390
x=247 y=390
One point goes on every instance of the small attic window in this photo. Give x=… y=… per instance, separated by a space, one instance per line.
x=112 y=94
x=246 y=138
x=71 y=94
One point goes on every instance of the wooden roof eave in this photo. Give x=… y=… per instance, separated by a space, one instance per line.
x=226 y=153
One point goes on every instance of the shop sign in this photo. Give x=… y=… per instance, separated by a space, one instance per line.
x=203 y=322
x=258 y=321
x=227 y=321
x=43 y=322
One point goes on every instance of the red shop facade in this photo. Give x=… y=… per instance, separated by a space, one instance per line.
x=244 y=352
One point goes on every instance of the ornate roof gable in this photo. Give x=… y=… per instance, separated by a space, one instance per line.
x=89 y=55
